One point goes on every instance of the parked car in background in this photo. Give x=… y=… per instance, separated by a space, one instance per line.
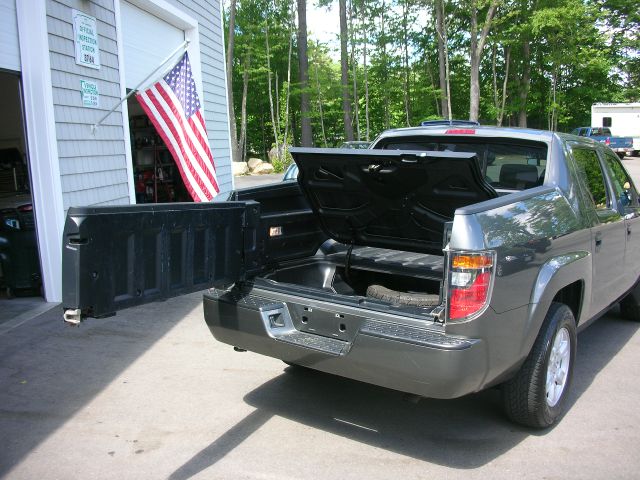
x=355 y=144
x=623 y=146
x=443 y=260
x=291 y=173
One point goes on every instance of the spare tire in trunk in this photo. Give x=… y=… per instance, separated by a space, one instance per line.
x=402 y=298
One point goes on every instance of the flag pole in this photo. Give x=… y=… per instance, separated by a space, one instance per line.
x=181 y=47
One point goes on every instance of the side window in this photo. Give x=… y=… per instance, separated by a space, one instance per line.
x=625 y=193
x=591 y=172
x=606 y=121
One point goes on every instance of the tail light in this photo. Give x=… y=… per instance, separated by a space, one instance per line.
x=607 y=141
x=470 y=283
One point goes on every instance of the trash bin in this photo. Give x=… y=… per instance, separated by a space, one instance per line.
x=19 y=260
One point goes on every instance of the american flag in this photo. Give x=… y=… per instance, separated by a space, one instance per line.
x=173 y=106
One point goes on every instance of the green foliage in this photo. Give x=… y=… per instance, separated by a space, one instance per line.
x=580 y=52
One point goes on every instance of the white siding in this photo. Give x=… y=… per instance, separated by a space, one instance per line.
x=10 y=51
x=93 y=167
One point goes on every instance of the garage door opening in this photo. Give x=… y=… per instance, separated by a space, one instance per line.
x=155 y=174
x=20 y=273
x=148 y=40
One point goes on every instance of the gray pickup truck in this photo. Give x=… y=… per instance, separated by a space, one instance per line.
x=441 y=261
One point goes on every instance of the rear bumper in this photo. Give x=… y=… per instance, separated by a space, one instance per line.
x=626 y=150
x=401 y=356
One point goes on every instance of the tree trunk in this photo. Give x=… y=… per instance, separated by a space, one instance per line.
x=243 y=117
x=385 y=73
x=442 y=59
x=303 y=61
x=505 y=81
x=287 y=101
x=344 y=69
x=235 y=153
x=366 y=72
x=324 y=137
x=500 y=101
x=475 y=54
x=354 y=66
x=273 y=116
x=436 y=97
x=524 y=84
x=405 y=48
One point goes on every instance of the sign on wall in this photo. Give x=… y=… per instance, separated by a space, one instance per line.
x=85 y=37
x=90 y=95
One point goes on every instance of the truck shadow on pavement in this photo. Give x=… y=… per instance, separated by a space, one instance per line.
x=464 y=433
x=50 y=371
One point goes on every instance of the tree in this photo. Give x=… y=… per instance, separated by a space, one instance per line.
x=303 y=61
x=235 y=153
x=476 y=48
x=344 y=68
x=443 y=59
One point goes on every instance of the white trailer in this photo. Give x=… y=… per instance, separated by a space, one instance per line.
x=622 y=118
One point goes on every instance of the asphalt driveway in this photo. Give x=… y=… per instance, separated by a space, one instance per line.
x=150 y=394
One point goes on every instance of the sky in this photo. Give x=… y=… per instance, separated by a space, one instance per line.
x=323 y=24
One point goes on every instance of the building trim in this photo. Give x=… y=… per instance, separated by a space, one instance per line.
x=226 y=92
x=125 y=108
x=41 y=142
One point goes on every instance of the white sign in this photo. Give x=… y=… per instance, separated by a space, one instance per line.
x=85 y=37
x=90 y=95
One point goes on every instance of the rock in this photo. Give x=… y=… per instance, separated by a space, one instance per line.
x=263 y=169
x=284 y=150
x=253 y=163
x=239 y=168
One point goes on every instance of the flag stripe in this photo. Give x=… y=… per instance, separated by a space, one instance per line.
x=185 y=140
x=199 y=123
x=172 y=145
x=198 y=147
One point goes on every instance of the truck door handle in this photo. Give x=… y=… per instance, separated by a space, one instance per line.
x=598 y=239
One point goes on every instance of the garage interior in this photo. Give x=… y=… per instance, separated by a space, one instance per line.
x=20 y=273
x=156 y=176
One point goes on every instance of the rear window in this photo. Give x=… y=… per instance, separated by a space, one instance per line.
x=510 y=166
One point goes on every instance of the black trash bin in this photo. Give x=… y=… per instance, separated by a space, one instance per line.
x=19 y=260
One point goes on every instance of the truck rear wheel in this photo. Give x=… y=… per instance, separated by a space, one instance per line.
x=536 y=396
x=630 y=305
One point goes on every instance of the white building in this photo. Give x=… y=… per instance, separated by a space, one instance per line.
x=48 y=120
x=623 y=119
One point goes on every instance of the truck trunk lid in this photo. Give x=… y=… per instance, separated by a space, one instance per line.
x=396 y=199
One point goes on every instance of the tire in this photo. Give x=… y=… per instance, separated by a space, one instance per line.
x=630 y=305
x=526 y=398
x=402 y=298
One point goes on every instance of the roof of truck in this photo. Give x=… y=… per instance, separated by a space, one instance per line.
x=481 y=130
